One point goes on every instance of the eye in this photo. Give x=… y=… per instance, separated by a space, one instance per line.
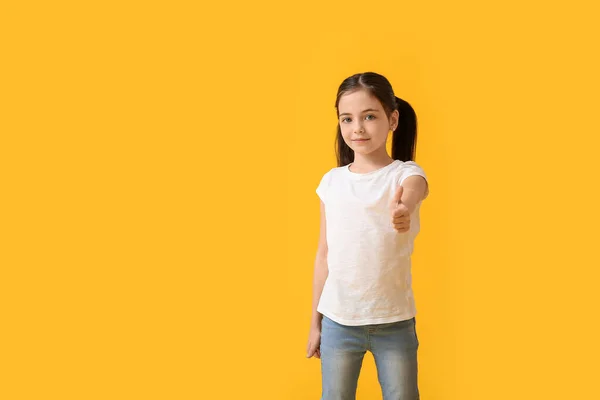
x=370 y=115
x=345 y=119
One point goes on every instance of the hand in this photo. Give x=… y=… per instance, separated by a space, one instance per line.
x=399 y=212
x=314 y=342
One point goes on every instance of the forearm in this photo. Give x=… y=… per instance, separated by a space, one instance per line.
x=321 y=271
x=410 y=199
x=415 y=188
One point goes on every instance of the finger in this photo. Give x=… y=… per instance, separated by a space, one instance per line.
x=313 y=350
x=309 y=351
x=318 y=353
x=400 y=216
x=398 y=195
x=400 y=210
x=401 y=224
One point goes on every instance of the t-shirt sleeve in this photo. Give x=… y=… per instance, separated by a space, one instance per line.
x=323 y=186
x=411 y=168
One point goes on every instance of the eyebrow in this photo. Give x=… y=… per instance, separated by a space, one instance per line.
x=364 y=111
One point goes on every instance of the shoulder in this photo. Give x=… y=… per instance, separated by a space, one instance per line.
x=332 y=173
x=409 y=168
x=326 y=180
x=409 y=165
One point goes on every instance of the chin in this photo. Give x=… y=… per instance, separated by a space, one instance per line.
x=362 y=149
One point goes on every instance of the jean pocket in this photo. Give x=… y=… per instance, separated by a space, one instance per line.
x=404 y=331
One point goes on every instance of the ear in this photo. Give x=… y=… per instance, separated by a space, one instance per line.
x=394 y=119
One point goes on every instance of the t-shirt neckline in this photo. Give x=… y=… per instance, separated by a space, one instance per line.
x=357 y=175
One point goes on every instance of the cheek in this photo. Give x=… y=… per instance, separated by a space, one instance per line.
x=346 y=133
x=381 y=130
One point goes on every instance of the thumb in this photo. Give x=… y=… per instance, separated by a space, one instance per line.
x=398 y=196
x=310 y=351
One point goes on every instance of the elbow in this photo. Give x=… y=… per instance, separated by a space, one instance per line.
x=321 y=258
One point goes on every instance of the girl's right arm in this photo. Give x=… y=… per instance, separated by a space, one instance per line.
x=321 y=270
x=320 y=276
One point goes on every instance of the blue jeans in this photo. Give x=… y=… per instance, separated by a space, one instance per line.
x=394 y=347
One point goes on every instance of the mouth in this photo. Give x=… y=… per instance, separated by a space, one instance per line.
x=360 y=140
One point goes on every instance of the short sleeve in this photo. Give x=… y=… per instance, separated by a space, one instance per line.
x=411 y=168
x=323 y=186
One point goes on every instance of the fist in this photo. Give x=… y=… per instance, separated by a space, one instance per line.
x=399 y=213
x=313 y=348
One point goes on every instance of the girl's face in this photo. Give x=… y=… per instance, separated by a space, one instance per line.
x=363 y=122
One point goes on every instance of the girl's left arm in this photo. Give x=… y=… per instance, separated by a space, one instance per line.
x=415 y=189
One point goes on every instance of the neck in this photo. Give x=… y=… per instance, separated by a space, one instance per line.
x=364 y=163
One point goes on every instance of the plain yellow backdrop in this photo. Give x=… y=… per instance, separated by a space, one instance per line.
x=159 y=220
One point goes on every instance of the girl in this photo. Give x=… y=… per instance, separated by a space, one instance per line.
x=362 y=294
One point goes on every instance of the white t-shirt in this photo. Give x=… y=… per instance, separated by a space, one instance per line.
x=369 y=262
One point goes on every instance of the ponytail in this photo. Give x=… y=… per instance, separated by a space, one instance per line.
x=404 y=138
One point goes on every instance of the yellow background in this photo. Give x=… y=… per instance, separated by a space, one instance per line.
x=159 y=225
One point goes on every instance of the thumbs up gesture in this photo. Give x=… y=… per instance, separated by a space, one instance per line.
x=399 y=212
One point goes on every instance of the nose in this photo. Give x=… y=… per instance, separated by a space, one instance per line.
x=359 y=128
